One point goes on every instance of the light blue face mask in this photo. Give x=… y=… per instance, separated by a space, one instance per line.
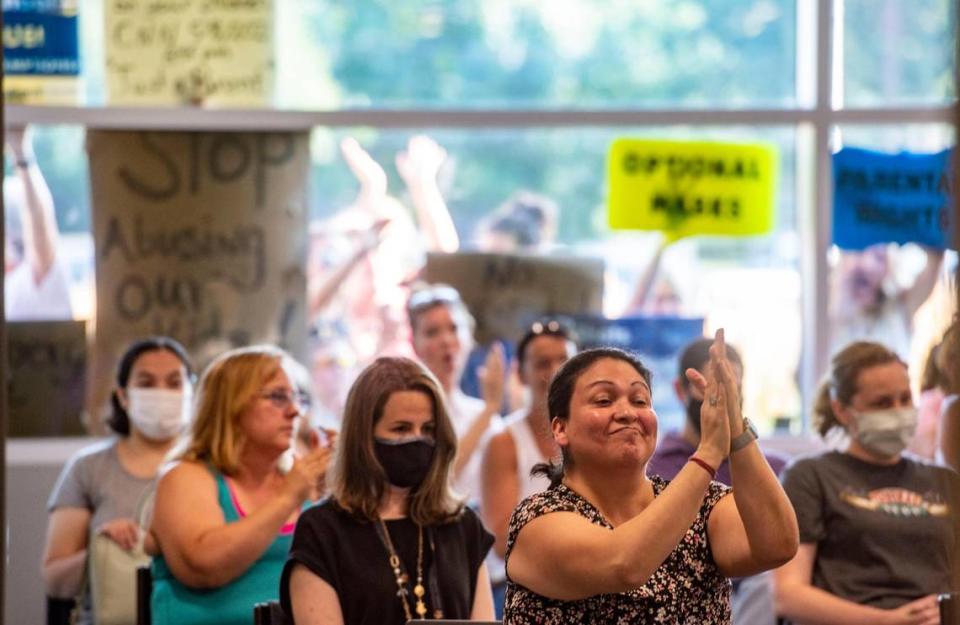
x=886 y=433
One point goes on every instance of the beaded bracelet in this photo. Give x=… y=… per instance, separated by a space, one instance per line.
x=706 y=466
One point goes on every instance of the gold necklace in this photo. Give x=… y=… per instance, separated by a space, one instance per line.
x=402 y=578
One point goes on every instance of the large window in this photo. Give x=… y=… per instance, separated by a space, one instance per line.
x=530 y=93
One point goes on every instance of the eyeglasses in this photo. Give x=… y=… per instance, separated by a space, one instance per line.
x=547 y=327
x=433 y=295
x=281 y=399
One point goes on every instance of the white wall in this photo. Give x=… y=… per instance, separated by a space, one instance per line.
x=32 y=468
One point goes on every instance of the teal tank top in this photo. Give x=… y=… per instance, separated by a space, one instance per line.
x=172 y=603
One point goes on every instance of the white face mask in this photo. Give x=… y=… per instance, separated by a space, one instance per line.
x=159 y=413
x=886 y=433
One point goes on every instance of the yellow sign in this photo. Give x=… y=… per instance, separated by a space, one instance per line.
x=194 y=52
x=683 y=188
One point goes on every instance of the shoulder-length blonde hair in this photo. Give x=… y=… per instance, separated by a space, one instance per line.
x=358 y=479
x=227 y=387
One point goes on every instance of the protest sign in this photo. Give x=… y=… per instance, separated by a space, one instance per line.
x=47 y=361
x=189 y=52
x=685 y=188
x=506 y=292
x=199 y=236
x=41 y=52
x=891 y=198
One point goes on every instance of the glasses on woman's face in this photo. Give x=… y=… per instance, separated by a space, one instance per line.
x=281 y=398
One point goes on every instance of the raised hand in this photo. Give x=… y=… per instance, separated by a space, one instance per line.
x=720 y=364
x=124 y=532
x=421 y=161
x=491 y=377
x=715 y=428
x=19 y=141
x=367 y=171
x=306 y=477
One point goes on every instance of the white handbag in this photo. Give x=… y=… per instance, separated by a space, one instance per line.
x=112 y=571
x=113 y=580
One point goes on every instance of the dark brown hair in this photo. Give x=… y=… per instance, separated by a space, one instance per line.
x=119 y=420
x=358 y=479
x=842 y=383
x=560 y=395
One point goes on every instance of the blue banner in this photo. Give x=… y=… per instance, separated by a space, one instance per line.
x=40 y=40
x=891 y=198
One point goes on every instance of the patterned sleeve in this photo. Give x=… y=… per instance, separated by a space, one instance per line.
x=534 y=506
x=72 y=487
x=715 y=492
x=805 y=493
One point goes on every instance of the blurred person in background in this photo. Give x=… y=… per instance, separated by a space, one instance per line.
x=675 y=447
x=929 y=407
x=526 y=440
x=35 y=282
x=866 y=302
x=442 y=336
x=948 y=361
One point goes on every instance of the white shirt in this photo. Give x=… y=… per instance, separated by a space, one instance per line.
x=25 y=300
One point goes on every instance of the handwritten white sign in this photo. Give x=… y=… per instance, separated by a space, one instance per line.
x=200 y=52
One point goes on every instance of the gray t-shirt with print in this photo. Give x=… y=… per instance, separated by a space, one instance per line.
x=885 y=535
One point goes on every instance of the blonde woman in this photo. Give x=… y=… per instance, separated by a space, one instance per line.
x=392 y=543
x=224 y=512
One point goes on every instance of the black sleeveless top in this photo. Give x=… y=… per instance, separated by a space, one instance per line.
x=688 y=588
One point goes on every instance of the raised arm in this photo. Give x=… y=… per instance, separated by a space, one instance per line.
x=492 y=383
x=40 y=231
x=917 y=294
x=500 y=487
x=563 y=556
x=641 y=292
x=419 y=165
x=756 y=529
x=322 y=292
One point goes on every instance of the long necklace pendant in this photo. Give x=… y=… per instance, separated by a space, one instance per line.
x=421 y=608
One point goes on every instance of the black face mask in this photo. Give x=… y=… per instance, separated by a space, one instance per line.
x=693 y=407
x=406 y=462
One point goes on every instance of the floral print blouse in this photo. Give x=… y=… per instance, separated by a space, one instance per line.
x=688 y=588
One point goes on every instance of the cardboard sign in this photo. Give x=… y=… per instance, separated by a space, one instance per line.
x=659 y=342
x=47 y=377
x=505 y=293
x=189 y=52
x=898 y=198
x=198 y=236
x=684 y=188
